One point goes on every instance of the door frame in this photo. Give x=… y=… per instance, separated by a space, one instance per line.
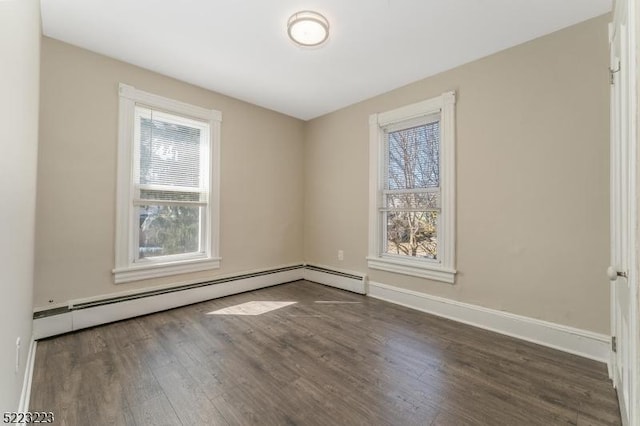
x=630 y=120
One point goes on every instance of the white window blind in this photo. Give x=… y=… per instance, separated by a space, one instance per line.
x=171 y=157
x=171 y=176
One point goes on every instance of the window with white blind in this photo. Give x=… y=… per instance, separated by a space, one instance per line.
x=412 y=184
x=168 y=174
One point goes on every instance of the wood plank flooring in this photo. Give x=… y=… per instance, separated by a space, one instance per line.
x=331 y=358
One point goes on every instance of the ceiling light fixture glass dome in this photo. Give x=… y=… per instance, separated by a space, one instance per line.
x=307 y=28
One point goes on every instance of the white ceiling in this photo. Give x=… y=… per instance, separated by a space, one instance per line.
x=240 y=47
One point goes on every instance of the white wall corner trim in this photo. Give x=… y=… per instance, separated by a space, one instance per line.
x=343 y=279
x=576 y=341
x=25 y=395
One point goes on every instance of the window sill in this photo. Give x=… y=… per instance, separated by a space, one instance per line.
x=156 y=270
x=413 y=268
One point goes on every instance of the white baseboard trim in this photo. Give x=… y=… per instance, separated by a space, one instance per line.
x=342 y=279
x=579 y=342
x=97 y=312
x=25 y=395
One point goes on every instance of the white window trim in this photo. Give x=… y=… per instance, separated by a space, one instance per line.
x=125 y=268
x=444 y=268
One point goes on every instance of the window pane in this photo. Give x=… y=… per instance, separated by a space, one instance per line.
x=412 y=234
x=169 y=195
x=414 y=157
x=166 y=230
x=169 y=153
x=424 y=200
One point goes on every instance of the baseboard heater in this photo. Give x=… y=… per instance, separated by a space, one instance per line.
x=88 y=313
x=344 y=280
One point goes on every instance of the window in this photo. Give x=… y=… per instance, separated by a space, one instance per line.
x=168 y=174
x=412 y=184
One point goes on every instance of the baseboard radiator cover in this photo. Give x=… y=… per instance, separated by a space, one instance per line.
x=88 y=313
x=345 y=280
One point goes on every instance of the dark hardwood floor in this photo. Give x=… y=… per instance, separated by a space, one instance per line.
x=331 y=358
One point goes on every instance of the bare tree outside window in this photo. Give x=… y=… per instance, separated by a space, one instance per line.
x=412 y=191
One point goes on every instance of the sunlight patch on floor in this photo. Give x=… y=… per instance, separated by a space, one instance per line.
x=256 y=307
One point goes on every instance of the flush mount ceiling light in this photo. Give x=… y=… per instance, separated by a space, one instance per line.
x=307 y=28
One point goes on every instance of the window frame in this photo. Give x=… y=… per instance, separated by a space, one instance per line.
x=442 y=268
x=128 y=267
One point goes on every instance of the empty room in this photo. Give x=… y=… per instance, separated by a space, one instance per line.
x=366 y=212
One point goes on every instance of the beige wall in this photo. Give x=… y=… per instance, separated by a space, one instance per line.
x=532 y=189
x=19 y=77
x=261 y=176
